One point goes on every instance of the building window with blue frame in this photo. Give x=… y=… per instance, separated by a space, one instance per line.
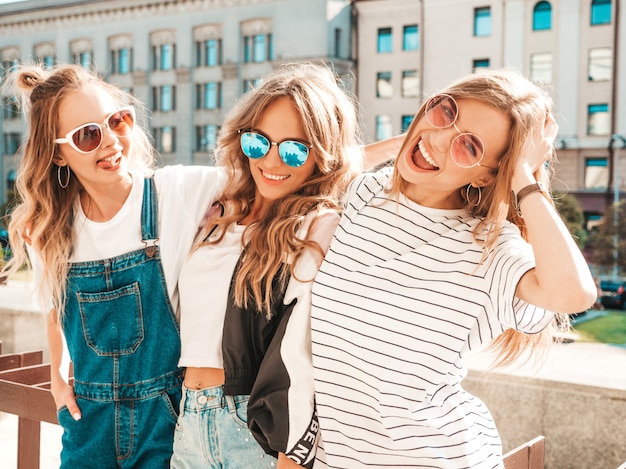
x=383 y=127
x=410 y=38
x=209 y=95
x=477 y=64
x=164 y=57
x=596 y=173
x=164 y=98
x=600 y=64
x=598 y=122
x=258 y=48
x=10 y=108
x=121 y=60
x=541 y=67
x=482 y=22
x=209 y=53
x=12 y=141
x=384 y=88
x=542 y=16
x=165 y=139
x=384 y=41
x=406 y=122
x=206 y=137
x=600 y=12
x=410 y=84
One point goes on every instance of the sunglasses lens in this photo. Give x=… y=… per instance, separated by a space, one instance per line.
x=122 y=122
x=441 y=111
x=87 y=138
x=254 y=145
x=467 y=150
x=293 y=153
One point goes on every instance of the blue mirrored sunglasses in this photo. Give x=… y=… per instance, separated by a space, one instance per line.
x=256 y=145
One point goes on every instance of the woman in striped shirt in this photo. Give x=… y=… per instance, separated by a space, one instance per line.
x=455 y=245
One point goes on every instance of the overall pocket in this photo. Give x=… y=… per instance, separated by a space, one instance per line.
x=112 y=320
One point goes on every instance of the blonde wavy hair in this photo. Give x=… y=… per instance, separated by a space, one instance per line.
x=524 y=104
x=44 y=215
x=329 y=117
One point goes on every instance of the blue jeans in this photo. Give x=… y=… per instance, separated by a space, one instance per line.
x=212 y=432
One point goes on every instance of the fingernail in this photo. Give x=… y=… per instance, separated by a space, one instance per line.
x=76 y=416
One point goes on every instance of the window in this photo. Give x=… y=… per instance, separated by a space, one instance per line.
x=600 y=64
x=83 y=59
x=596 y=173
x=406 y=123
x=12 y=142
x=383 y=127
x=482 y=21
x=121 y=60
x=410 y=84
x=163 y=57
x=384 y=40
x=600 y=12
x=81 y=51
x=598 y=119
x=542 y=16
x=10 y=108
x=337 y=42
x=541 y=67
x=209 y=52
x=479 y=63
x=206 y=137
x=250 y=83
x=164 y=98
x=258 y=48
x=209 y=95
x=384 y=88
x=9 y=65
x=165 y=139
x=410 y=38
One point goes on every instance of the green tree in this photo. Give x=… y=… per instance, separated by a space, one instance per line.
x=602 y=238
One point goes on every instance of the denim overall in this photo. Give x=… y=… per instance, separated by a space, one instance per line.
x=124 y=342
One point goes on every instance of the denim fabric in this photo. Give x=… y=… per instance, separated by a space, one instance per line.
x=124 y=342
x=212 y=433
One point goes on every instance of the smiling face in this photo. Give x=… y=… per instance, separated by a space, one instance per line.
x=432 y=177
x=273 y=178
x=105 y=165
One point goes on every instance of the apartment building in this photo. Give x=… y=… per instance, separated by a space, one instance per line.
x=408 y=49
x=189 y=60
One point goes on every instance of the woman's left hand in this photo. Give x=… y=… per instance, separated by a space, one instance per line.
x=539 y=148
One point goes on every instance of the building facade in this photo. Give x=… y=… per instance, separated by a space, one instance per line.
x=189 y=60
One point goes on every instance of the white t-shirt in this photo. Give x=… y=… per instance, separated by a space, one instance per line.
x=184 y=195
x=204 y=285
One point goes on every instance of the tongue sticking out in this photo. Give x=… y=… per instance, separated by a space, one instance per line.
x=108 y=163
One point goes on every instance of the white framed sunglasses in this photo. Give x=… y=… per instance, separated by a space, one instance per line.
x=256 y=144
x=88 y=137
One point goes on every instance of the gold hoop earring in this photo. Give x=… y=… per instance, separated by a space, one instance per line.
x=467 y=195
x=67 y=179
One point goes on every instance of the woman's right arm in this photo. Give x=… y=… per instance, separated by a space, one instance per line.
x=62 y=391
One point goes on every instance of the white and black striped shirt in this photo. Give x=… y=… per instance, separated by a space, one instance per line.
x=399 y=301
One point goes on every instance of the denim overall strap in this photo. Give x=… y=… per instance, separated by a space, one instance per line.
x=149 y=212
x=124 y=342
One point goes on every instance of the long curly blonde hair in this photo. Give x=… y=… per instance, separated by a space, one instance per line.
x=44 y=215
x=330 y=121
x=524 y=104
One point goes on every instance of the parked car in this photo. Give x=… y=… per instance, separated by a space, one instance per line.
x=613 y=293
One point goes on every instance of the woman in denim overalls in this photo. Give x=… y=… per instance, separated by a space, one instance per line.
x=105 y=265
